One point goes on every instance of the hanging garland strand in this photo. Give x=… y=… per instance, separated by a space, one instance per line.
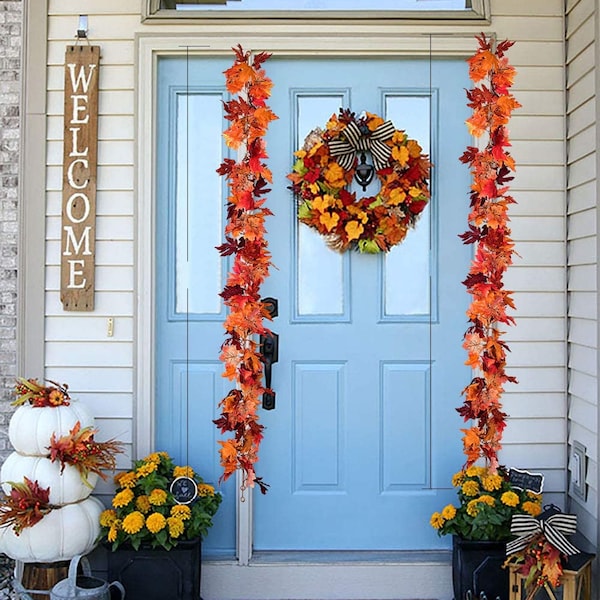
x=492 y=105
x=245 y=241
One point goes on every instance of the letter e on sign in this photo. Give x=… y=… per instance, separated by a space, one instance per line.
x=80 y=167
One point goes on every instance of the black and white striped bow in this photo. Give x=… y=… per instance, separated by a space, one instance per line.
x=373 y=141
x=554 y=529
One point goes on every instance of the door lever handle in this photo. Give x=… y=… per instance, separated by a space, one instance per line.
x=269 y=349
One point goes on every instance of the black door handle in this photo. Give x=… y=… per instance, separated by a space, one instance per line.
x=269 y=349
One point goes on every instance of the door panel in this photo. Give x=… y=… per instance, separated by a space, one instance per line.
x=364 y=437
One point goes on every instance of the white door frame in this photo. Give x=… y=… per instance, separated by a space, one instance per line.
x=378 y=575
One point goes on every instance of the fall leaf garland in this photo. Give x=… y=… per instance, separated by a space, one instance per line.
x=245 y=231
x=491 y=167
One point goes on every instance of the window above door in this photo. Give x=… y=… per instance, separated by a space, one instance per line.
x=467 y=10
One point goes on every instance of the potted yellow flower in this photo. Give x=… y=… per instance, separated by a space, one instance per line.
x=160 y=512
x=480 y=526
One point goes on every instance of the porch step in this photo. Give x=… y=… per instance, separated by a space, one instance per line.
x=405 y=575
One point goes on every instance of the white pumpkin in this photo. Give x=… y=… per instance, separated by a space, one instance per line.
x=65 y=488
x=31 y=428
x=60 y=535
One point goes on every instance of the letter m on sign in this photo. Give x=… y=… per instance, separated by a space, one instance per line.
x=80 y=166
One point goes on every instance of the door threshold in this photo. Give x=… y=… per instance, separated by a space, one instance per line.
x=340 y=557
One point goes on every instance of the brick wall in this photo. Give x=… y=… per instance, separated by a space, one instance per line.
x=11 y=21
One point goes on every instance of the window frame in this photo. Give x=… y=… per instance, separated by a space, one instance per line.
x=478 y=13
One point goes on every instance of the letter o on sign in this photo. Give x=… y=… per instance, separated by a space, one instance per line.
x=73 y=205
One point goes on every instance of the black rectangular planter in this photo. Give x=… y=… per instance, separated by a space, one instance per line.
x=477 y=567
x=158 y=574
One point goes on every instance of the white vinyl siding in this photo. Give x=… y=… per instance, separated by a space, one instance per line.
x=534 y=438
x=581 y=59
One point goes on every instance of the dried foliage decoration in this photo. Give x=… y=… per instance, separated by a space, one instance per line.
x=245 y=240
x=491 y=167
x=81 y=450
x=25 y=506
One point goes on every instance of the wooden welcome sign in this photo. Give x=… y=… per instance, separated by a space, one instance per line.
x=80 y=158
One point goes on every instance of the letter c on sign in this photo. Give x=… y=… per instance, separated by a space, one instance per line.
x=70 y=179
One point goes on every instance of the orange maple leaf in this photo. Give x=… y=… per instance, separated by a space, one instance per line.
x=481 y=64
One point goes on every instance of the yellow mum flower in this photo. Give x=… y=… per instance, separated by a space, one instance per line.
x=473 y=508
x=176 y=527
x=153 y=458
x=491 y=483
x=449 y=512
x=111 y=536
x=157 y=497
x=458 y=479
x=476 y=471
x=510 y=499
x=204 y=489
x=485 y=499
x=532 y=508
x=354 y=230
x=127 y=480
x=155 y=522
x=133 y=522
x=146 y=469
x=470 y=488
x=436 y=520
x=142 y=503
x=181 y=511
x=183 y=472
x=123 y=498
x=108 y=517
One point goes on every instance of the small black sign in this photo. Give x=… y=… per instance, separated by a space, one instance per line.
x=184 y=490
x=524 y=480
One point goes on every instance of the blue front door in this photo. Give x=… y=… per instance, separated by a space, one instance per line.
x=364 y=436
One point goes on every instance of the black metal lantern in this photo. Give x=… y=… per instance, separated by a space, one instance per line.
x=364 y=172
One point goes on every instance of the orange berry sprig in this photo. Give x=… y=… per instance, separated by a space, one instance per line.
x=38 y=395
x=245 y=240
x=491 y=167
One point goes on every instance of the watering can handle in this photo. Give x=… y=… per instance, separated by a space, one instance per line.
x=119 y=586
x=85 y=563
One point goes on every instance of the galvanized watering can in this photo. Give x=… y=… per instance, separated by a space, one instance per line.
x=83 y=587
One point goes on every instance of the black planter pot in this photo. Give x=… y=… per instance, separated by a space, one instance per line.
x=158 y=574
x=477 y=567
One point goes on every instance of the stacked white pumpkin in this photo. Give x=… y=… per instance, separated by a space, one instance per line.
x=72 y=526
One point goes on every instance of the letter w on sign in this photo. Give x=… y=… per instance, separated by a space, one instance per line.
x=80 y=166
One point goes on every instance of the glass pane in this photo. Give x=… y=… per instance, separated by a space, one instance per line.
x=320 y=5
x=407 y=266
x=320 y=270
x=198 y=202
